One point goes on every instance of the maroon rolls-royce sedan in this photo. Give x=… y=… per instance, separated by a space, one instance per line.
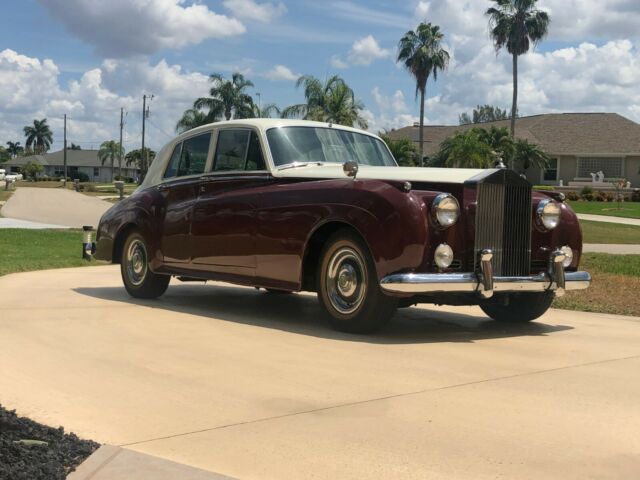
x=295 y=205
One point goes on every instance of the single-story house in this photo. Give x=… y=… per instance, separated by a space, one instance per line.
x=579 y=144
x=85 y=161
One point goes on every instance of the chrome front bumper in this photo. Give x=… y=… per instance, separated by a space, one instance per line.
x=485 y=284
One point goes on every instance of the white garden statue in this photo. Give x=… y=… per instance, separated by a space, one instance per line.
x=600 y=175
x=593 y=177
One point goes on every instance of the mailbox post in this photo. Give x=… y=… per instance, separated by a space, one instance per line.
x=119 y=184
x=88 y=247
x=76 y=184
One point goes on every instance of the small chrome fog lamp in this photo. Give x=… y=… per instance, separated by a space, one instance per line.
x=568 y=256
x=443 y=256
x=548 y=214
x=87 y=242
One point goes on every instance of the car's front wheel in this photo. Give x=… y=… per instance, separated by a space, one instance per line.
x=138 y=278
x=347 y=286
x=521 y=307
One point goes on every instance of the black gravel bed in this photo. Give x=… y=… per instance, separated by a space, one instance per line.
x=31 y=451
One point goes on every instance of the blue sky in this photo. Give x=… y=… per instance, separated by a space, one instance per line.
x=89 y=58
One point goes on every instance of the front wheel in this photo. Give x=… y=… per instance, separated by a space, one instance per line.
x=138 y=279
x=348 y=288
x=521 y=307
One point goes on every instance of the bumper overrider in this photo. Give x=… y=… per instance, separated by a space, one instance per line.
x=484 y=283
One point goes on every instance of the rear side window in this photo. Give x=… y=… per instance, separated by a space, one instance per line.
x=189 y=157
x=238 y=150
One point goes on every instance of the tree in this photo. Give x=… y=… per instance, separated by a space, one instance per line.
x=515 y=25
x=110 y=150
x=31 y=169
x=332 y=101
x=4 y=154
x=14 y=149
x=75 y=147
x=528 y=154
x=465 y=150
x=268 y=111
x=402 y=149
x=499 y=141
x=135 y=157
x=423 y=56
x=38 y=136
x=227 y=97
x=193 y=118
x=483 y=114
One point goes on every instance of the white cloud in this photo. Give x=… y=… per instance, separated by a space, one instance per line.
x=366 y=50
x=336 y=62
x=282 y=73
x=31 y=88
x=121 y=28
x=251 y=10
x=393 y=111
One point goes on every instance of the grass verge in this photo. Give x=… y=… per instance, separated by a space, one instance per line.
x=614 y=289
x=5 y=194
x=629 y=209
x=603 y=232
x=23 y=250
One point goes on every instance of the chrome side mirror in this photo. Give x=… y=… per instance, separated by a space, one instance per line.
x=350 y=169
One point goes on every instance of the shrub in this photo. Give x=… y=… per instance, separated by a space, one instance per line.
x=587 y=196
x=586 y=190
x=572 y=196
x=81 y=176
x=129 y=180
x=635 y=195
x=603 y=197
x=90 y=187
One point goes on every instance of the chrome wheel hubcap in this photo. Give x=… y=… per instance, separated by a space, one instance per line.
x=346 y=281
x=136 y=262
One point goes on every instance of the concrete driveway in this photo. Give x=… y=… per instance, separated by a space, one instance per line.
x=55 y=206
x=252 y=385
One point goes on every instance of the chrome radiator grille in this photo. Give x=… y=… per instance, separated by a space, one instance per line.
x=503 y=224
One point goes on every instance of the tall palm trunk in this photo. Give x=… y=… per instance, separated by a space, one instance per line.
x=422 y=95
x=514 y=103
x=112 y=159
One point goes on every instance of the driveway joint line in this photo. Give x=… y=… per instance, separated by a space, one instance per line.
x=387 y=397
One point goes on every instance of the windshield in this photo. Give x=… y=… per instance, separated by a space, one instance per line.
x=316 y=144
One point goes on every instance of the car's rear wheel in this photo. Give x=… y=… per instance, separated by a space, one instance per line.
x=521 y=307
x=348 y=288
x=138 y=278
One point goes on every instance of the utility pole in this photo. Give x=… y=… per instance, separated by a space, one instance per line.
x=120 y=145
x=65 y=151
x=144 y=156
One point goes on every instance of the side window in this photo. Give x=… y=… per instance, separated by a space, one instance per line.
x=231 y=150
x=194 y=155
x=255 y=160
x=172 y=167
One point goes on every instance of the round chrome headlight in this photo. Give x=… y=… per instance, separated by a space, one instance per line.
x=443 y=256
x=445 y=210
x=568 y=256
x=548 y=213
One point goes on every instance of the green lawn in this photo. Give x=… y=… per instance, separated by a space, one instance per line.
x=24 y=250
x=629 y=209
x=5 y=194
x=603 y=232
x=614 y=289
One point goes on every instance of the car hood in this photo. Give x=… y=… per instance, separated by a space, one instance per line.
x=366 y=172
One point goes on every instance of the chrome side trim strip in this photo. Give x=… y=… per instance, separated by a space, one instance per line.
x=417 y=283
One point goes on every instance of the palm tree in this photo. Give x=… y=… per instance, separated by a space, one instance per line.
x=527 y=154
x=110 y=150
x=135 y=157
x=14 y=149
x=228 y=97
x=499 y=141
x=423 y=56
x=515 y=25
x=192 y=118
x=465 y=150
x=267 y=111
x=402 y=149
x=39 y=136
x=332 y=101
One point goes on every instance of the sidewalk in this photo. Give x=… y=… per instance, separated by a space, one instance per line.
x=617 y=249
x=17 y=223
x=606 y=218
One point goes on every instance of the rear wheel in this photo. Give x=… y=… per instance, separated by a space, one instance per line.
x=348 y=288
x=522 y=307
x=138 y=279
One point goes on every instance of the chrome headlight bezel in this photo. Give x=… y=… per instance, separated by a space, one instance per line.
x=568 y=256
x=548 y=214
x=445 y=210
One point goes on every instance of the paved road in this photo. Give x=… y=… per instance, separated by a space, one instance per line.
x=606 y=218
x=619 y=249
x=54 y=206
x=253 y=386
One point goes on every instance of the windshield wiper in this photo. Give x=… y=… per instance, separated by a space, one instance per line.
x=299 y=164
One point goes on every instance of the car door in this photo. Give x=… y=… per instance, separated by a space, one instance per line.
x=179 y=190
x=224 y=218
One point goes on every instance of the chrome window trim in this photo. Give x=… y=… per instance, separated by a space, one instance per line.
x=268 y=166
